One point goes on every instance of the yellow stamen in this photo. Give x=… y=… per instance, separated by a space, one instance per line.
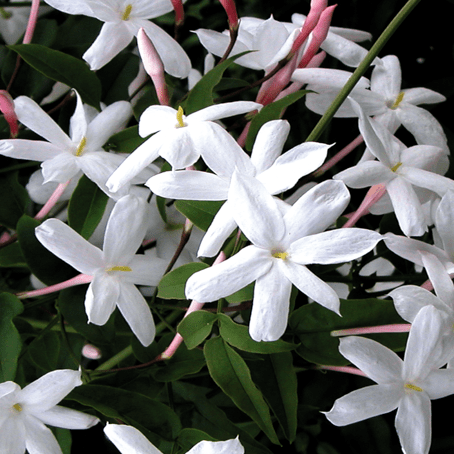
x=17 y=407
x=5 y=14
x=398 y=100
x=180 y=114
x=81 y=146
x=395 y=167
x=119 y=268
x=280 y=255
x=412 y=387
x=126 y=12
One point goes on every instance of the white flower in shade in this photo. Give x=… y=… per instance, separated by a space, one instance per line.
x=66 y=157
x=277 y=173
x=179 y=139
x=123 y=20
x=399 y=169
x=407 y=385
x=116 y=269
x=24 y=413
x=282 y=246
x=129 y=440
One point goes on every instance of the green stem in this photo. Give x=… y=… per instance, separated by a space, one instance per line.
x=361 y=69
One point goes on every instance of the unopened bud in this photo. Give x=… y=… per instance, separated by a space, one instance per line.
x=7 y=108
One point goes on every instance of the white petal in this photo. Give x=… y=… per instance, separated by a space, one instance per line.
x=78 y=121
x=332 y=78
x=67 y=418
x=441 y=281
x=422 y=156
x=137 y=313
x=271 y=305
x=440 y=383
x=217 y=447
x=365 y=174
x=12 y=440
x=72 y=6
x=61 y=168
x=349 y=53
x=69 y=246
x=386 y=77
x=156 y=118
x=129 y=440
x=365 y=403
x=39 y=438
x=224 y=110
x=444 y=220
x=33 y=150
x=429 y=180
x=421 y=95
x=101 y=298
x=145 y=270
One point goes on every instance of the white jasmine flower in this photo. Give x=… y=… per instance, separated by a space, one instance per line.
x=24 y=413
x=123 y=20
x=129 y=440
x=407 y=385
x=116 y=269
x=282 y=246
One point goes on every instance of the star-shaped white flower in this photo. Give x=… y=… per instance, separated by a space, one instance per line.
x=24 y=413
x=407 y=385
x=123 y=20
x=116 y=269
x=179 y=139
x=282 y=246
x=129 y=440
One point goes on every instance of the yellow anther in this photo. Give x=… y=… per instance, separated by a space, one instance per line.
x=412 y=387
x=119 y=268
x=398 y=100
x=126 y=12
x=280 y=255
x=81 y=146
x=180 y=114
x=5 y=14
x=17 y=407
x=395 y=167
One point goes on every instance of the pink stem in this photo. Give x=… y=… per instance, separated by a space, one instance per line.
x=77 y=280
x=53 y=199
x=396 y=328
x=194 y=306
x=33 y=18
x=374 y=194
x=346 y=369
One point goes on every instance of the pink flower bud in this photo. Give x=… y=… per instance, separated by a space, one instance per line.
x=232 y=16
x=7 y=108
x=179 y=12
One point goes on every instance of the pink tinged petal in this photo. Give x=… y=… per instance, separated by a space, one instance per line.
x=125 y=230
x=137 y=313
x=386 y=77
x=256 y=212
x=441 y=281
x=316 y=210
x=39 y=438
x=33 y=150
x=224 y=110
x=78 y=122
x=334 y=246
x=311 y=285
x=444 y=220
x=69 y=246
x=413 y=422
x=145 y=270
x=440 y=383
x=128 y=439
x=101 y=298
x=66 y=418
x=34 y=117
x=425 y=179
x=379 y=363
x=112 y=39
x=230 y=276
x=271 y=305
x=220 y=228
x=365 y=174
x=407 y=207
x=156 y=118
x=365 y=403
x=12 y=439
x=421 y=95
x=269 y=143
x=189 y=185
x=292 y=165
x=217 y=447
x=48 y=390
x=111 y=120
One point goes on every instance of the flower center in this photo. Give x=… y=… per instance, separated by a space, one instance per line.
x=118 y=268
x=398 y=100
x=81 y=146
x=181 y=123
x=5 y=14
x=126 y=12
x=395 y=167
x=17 y=407
x=412 y=387
x=280 y=255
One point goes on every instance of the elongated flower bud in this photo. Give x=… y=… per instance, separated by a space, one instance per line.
x=179 y=12
x=232 y=15
x=7 y=108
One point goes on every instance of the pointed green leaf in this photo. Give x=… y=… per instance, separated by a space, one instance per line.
x=13 y=200
x=196 y=327
x=200 y=213
x=11 y=257
x=125 y=141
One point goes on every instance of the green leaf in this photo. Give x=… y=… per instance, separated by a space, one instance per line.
x=200 y=213
x=190 y=437
x=45 y=351
x=196 y=327
x=313 y=325
x=238 y=336
x=125 y=141
x=64 y=439
x=132 y=408
x=172 y=284
x=63 y=68
x=13 y=200
x=232 y=375
x=201 y=95
x=11 y=257
x=272 y=111
x=10 y=344
x=245 y=294
x=42 y=263
x=86 y=207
